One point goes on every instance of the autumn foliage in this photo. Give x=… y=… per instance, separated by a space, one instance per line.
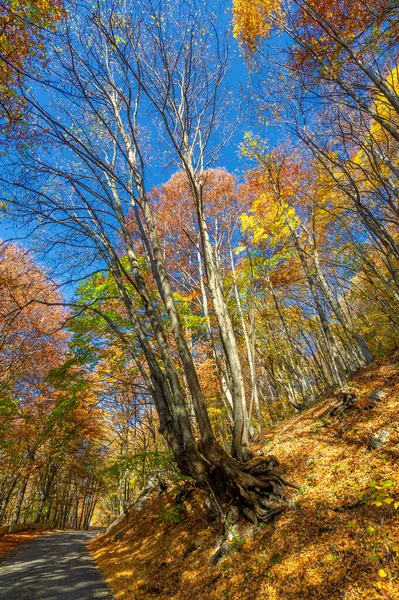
x=210 y=312
x=23 y=26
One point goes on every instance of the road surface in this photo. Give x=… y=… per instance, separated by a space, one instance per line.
x=55 y=566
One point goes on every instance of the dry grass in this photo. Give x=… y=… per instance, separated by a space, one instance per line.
x=335 y=544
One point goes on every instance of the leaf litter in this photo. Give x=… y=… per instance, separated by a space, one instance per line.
x=339 y=541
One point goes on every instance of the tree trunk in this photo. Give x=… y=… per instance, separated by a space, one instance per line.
x=241 y=444
x=250 y=351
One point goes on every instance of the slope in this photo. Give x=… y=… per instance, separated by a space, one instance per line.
x=340 y=540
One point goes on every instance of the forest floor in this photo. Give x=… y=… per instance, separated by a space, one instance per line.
x=340 y=541
x=9 y=541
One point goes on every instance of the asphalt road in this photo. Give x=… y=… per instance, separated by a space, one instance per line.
x=55 y=566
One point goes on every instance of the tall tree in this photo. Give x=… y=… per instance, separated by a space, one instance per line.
x=342 y=63
x=109 y=68
x=31 y=336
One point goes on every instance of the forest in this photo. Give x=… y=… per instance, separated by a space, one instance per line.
x=199 y=217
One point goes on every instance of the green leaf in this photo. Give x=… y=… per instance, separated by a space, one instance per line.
x=388 y=483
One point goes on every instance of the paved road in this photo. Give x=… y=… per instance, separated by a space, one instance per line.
x=55 y=566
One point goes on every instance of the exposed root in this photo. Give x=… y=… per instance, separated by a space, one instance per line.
x=345 y=399
x=255 y=490
x=246 y=493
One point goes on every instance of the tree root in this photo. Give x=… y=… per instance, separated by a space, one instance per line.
x=255 y=490
x=345 y=399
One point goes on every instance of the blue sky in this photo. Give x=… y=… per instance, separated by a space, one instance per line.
x=243 y=117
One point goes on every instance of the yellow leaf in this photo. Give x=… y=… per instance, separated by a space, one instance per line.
x=388 y=500
x=382 y=573
x=396 y=505
x=379 y=585
x=377 y=503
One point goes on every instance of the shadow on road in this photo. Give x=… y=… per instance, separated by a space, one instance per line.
x=56 y=566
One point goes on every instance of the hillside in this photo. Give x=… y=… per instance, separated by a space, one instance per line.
x=341 y=539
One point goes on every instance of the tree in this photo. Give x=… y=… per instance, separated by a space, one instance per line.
x=23 y=26
x=31 y=340
x=286 y=208
x=334 y=87
x=342 y=63
x=224 y=202
x=110 y=70
x=49 y=432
